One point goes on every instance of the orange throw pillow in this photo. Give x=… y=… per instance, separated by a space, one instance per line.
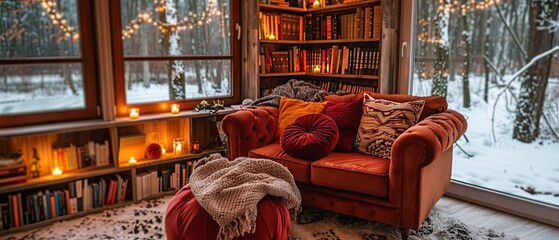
x=291 y=109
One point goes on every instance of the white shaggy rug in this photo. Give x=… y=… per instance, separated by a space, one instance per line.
x=145 y=220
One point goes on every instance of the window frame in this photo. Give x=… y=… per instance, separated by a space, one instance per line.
x=87 y=59
x=523 y=207
x=163 y=106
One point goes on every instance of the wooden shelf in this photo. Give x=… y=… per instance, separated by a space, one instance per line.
x=76 y=126
x=52 y=180
x=329 y=75
x=336 y=7
x=169 y=159
x=352 y=76
x=62 y=218
x=342 y=6
x=287 y=74
x=311 y=42
x=270 y=7
x=62 y=127
x=125 y=121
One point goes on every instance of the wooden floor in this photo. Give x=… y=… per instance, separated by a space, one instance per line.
x=484 y=217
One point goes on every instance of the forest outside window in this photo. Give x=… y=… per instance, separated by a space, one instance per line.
x=46 y=73
x=174 y=51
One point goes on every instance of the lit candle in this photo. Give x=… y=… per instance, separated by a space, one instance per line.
x=272 y=37
x=134 y=113
x=175 y=108
x=316 y=4
x=316 y=69
x=56 y=171
x=132 y=160
x=163 y=151
x=178 y=148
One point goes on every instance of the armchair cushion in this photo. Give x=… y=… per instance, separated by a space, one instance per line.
x=310 y=137
x=291 y=109
x=347 y=117
x=382 y=122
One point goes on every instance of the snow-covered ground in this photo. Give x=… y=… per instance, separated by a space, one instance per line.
x=499 y=162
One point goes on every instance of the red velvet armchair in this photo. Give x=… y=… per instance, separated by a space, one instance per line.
x=399 y=191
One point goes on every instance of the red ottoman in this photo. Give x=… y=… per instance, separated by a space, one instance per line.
x=186 y=219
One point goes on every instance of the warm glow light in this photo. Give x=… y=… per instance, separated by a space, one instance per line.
x=316 y=4
x=134 y=113
x=316 y=69
x=163 y=151
x=132 y=160
x=272 y=37
x=175 y=108
x=56 y=171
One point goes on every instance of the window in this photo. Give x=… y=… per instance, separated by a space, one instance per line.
x=497 y=63
x=174 y=51
x=47 y=73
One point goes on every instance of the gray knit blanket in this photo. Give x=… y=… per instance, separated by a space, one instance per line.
x=294 y=88
x=230 y=190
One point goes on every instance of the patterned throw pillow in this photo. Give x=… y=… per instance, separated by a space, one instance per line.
x=382 y=122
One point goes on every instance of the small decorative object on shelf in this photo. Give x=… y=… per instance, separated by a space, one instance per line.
x=195 y=147
x=175 y=108
x=163 y=150
x=272 y=37
x=134 y=113
x=178 y=146
x=35 y=165
x=132 y=160
x=154 y=151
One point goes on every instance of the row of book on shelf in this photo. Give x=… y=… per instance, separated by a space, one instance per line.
x=364 y=23
x=81 y=195
x=306 y=3
x=77 y=157
x=333 y=60
x=338 y=87
x=157 y=181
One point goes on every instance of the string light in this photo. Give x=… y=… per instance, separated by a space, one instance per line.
x=58 y=19
x=187 y=22
x=472 y=5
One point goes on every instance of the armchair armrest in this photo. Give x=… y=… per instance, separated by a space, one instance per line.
x=249 y=129
x=421 y=165
x=434 y=135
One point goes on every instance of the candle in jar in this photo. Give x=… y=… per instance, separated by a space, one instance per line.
x=132 y=160
x=272 y=37
x=175 y=108
x=316 y=69
x=316 y=4
x=178 y=148
x=134 y=113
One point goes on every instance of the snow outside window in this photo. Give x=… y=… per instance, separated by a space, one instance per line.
x=497 y=63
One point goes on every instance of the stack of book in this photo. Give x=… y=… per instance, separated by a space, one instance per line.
x=12 y=171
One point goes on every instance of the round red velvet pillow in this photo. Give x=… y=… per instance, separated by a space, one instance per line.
x=310 y=137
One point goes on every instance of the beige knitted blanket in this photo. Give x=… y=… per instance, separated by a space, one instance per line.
x=231 y=190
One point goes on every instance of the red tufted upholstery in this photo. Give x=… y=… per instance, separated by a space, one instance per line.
x=186 y=219
x=400 y=191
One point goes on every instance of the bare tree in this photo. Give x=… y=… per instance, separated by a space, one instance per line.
x=440 y=76
x=535 y=79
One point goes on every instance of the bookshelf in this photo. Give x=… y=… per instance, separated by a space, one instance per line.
x=335 y=44
x=86 y=187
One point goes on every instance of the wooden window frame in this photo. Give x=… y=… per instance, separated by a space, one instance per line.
x=163 y=106
x=87 y=59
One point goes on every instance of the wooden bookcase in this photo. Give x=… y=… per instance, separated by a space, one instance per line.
x=86 y=185
x=335 y=44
